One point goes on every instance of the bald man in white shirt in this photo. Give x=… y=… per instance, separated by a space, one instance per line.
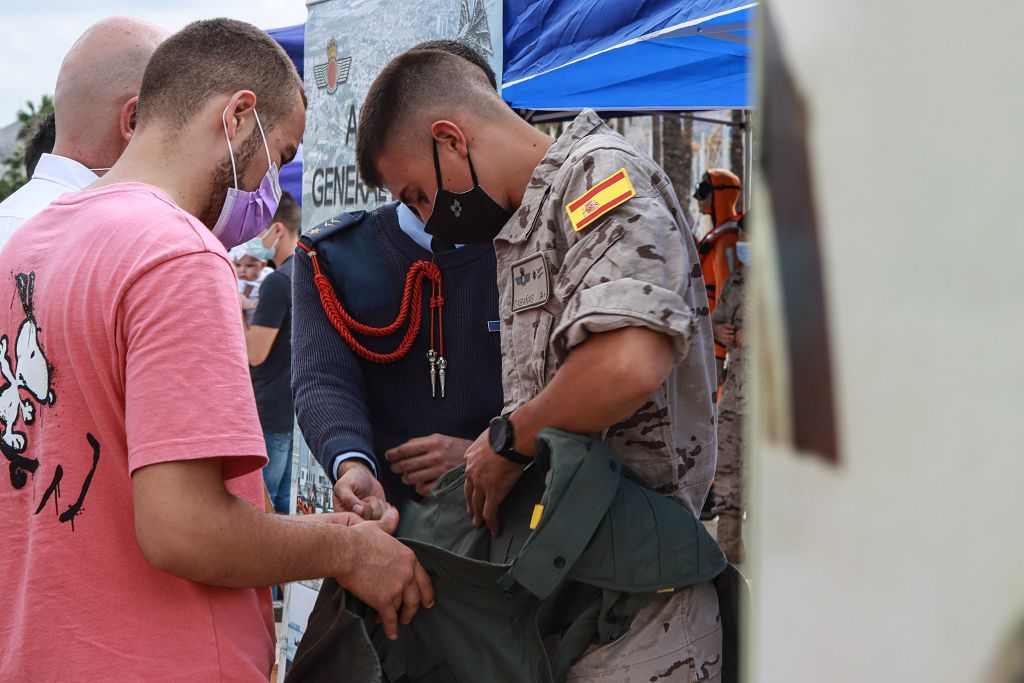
x=94 y=106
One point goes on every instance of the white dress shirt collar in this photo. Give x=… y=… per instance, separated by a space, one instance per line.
x=412 y=226
x=63 y=171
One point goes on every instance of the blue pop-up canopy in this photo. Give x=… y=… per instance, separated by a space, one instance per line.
x=292 y=39
x=627 y=56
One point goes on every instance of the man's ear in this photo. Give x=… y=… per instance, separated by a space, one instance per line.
x=239 y=107
x=127 y=118
x=449 y=136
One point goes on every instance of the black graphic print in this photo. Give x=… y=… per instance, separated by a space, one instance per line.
x=26 y=388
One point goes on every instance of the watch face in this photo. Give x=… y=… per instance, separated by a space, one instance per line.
x=499 y=434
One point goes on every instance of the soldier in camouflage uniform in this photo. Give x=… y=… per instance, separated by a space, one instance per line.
x=636 y=266
x=732 y=407
x=596 y=262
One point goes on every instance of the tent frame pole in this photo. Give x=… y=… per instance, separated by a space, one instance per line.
x=748 y=160
x=720 y=122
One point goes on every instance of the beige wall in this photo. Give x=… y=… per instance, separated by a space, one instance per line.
x=905 y=562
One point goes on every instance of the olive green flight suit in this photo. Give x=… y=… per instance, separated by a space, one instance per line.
x=522 y=607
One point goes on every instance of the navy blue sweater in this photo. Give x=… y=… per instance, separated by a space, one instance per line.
x=344 y=403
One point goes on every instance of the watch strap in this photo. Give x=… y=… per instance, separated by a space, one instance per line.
x=515 y=456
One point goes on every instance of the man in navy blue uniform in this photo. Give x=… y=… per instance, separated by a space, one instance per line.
x=386 y=430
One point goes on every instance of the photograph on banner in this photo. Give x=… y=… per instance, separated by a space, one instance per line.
x=311 y=495
x=347 y=45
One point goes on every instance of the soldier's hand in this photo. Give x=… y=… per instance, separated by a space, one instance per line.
x=725 y=334
x=358 y=491
x=489 y=478
x=421 y=461
x=385 y=574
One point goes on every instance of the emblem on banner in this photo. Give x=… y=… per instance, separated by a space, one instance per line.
x=335 y=71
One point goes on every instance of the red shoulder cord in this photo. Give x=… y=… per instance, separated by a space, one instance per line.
x=412 y=298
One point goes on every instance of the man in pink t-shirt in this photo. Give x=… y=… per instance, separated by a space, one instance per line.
x=130 y=496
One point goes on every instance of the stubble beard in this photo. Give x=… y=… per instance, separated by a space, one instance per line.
x=221 y=178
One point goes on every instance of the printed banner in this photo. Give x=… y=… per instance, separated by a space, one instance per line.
x=348 y=42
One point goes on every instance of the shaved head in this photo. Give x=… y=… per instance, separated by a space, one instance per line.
x=415 y=89
x=100 y=74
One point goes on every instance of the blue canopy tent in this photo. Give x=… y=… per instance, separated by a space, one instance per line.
x=613 y=55
x=627 y=57
x=292 y=39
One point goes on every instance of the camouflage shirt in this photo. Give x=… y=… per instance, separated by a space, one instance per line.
x=733 y=308
x=635 y=265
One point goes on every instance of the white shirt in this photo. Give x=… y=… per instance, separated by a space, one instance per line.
x=54 y=175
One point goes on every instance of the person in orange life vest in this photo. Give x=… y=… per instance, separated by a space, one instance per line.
x=716 y=195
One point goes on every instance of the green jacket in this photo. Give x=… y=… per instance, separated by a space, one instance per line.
x=602 y=546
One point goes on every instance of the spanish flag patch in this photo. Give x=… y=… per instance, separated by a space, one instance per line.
x=613 y=191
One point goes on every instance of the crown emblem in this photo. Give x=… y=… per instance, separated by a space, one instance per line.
x=334 y=71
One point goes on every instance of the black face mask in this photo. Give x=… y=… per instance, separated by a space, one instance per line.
x=703 y=189
x=470 y=217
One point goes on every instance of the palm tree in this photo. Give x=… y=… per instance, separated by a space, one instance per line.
x=27 y=117
x=13 y=166
x=677 y=141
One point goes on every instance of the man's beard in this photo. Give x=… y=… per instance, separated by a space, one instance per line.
x=221 y=178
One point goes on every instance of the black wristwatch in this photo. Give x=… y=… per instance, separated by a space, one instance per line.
x=503 y=439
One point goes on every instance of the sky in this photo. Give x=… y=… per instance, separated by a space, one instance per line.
x=37 y=33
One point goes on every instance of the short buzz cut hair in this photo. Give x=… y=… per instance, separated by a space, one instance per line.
x=215 y=56
x=417 y=84
x=461 y=49
x=288 y=213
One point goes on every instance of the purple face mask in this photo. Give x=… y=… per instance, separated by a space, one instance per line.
x=247 y=214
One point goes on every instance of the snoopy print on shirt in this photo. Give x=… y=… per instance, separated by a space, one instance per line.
x=26 y=389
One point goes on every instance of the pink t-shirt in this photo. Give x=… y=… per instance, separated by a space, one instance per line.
x=123 y=347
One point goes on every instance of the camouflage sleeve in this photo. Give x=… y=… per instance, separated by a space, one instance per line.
x=630 y=267
x=728 y=301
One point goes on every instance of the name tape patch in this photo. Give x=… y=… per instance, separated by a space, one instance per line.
x=530 y=286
